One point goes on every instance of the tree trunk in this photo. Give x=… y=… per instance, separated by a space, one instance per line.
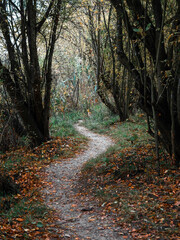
x=24 y=82
x=166 y=112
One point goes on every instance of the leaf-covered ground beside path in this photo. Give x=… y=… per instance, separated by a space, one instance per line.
x=126 y=183
x=24 y=215
x=79 y=216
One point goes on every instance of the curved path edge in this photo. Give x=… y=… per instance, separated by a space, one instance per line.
x=68 y=203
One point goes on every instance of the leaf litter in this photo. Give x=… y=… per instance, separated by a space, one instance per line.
x=121 y=198
x=24 y=215
x=78 y=214
x=126 y=183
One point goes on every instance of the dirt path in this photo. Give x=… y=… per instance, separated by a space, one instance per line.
x=80 y=218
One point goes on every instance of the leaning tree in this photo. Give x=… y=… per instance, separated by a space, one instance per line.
x=153 y=29
x=28 y=79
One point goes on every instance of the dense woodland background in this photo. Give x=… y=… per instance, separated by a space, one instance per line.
x=63 y=57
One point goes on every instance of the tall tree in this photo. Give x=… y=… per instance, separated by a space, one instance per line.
x=113 y=87
x=153 y=28
x=28 y=82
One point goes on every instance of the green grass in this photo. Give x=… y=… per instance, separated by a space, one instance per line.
x=33 y=211
x=62 y=124
x=130 y=133
x=125 y=179
x=127 y=133
x=100 y=119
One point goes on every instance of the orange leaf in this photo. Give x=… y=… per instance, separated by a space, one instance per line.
x=74 y=205
x=19 y=219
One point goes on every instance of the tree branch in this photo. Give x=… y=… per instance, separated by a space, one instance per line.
x=46 y=15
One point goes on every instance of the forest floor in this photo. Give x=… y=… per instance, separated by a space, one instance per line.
x=79 y=216
x=74 y=188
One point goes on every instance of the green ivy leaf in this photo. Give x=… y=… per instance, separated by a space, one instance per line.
x=137 y=30
x=40 y=225
x=148 y=26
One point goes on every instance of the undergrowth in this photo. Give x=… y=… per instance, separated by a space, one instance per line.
x=127 y=184
x=125 y=179
x=62 y=124
x=100 y=118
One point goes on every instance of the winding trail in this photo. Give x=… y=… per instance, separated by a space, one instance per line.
x=63 y=197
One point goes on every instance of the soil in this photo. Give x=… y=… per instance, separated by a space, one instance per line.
x=80 y=217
